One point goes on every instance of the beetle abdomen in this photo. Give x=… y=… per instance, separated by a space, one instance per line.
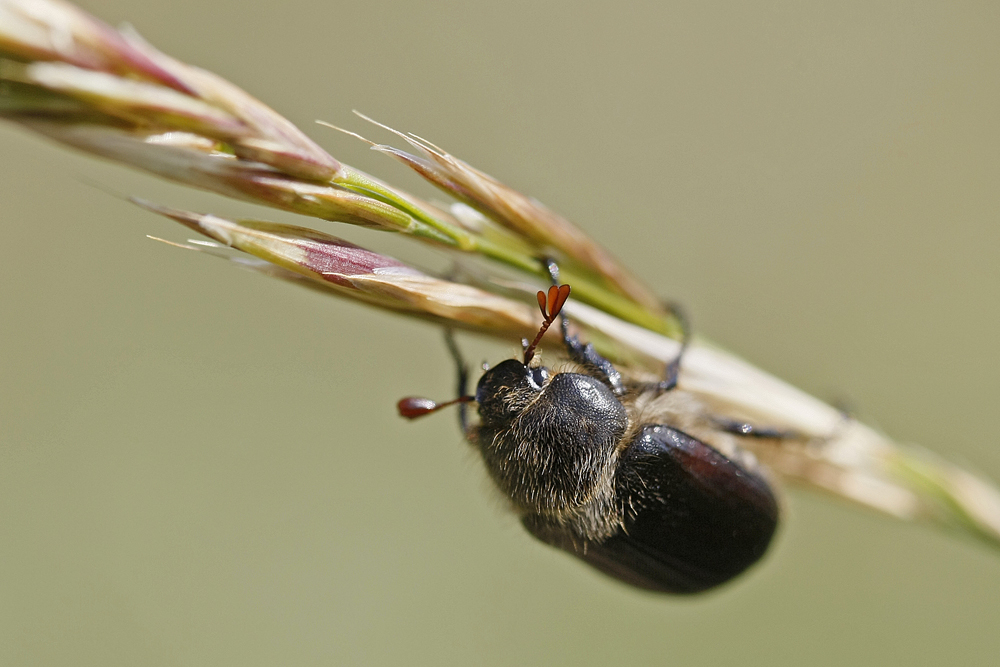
x=693 y=519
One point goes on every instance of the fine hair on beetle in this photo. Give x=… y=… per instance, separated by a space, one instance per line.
x=609 y=469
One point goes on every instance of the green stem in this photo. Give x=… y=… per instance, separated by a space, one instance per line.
x=584 y=287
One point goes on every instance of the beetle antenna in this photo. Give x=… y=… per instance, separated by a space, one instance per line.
x=412 y=407
x=550 y=304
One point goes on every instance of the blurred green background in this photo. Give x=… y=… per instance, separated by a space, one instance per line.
x=202 y=466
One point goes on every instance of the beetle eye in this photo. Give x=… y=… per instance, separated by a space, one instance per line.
x=537 y=377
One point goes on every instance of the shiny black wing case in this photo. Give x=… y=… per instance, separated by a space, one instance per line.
x=693 y=518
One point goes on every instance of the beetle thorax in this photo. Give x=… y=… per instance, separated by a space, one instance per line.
x=550 y=442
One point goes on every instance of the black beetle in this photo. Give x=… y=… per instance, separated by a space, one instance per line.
x=642 y=501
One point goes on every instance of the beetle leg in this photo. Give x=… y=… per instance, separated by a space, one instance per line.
x=585 y=355
x=748 y=430
x=463 y=378
x=673 y=368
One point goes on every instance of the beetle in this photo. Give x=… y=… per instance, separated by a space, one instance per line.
x=605 y=469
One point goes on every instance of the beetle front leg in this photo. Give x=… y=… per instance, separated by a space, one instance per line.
x=586 y=355
x=462 y=379
x=674 y=366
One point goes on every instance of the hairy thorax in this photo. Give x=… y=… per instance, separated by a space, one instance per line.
x=553 y=449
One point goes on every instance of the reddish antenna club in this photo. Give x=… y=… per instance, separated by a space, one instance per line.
x=412 y=407
x=551 y=304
